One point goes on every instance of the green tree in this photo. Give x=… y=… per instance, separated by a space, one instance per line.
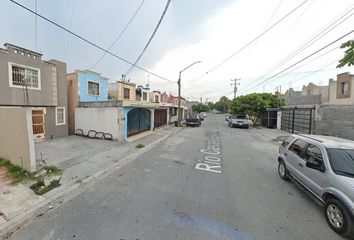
x=200 y=108
x=348 y=58
x=222 y=104
x=254 y=104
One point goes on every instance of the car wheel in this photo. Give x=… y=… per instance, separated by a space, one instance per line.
x=338 y=218
x=247 y=127
x=282 y=171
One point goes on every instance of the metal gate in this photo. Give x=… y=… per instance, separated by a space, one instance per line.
x=160 y=117
x=139 y=120
x=297 y=120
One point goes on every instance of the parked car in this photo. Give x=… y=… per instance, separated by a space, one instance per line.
x=193 y=121
x=238 y=121
x=201 y=117
x=323 y=167
x=203 y=114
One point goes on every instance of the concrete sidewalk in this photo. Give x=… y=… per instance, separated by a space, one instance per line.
x=80 y=170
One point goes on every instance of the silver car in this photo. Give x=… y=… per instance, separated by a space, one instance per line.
x=323 y=166
x=238 y=121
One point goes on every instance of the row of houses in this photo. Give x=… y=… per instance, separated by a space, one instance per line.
x=40 y=100
x=325 y=110
x=120 y=109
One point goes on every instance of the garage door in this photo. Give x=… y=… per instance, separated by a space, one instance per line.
x=139 y=120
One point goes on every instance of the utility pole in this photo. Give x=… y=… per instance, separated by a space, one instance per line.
x=179 y=113
x=235 y=84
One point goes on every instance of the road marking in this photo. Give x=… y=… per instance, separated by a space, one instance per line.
x=211 y=163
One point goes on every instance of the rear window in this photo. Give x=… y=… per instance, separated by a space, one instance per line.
x=298 y=146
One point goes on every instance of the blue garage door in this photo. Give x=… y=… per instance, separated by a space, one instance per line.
x=139 y=120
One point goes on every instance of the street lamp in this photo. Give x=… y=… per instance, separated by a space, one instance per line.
x=179 y=92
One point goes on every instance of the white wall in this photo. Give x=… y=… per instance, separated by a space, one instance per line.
x=98 y=119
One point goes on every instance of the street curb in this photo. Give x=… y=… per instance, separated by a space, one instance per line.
x=71 y=190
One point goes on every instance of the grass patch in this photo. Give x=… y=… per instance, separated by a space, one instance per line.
x=53 y=170
x=140 y=146
x=16 y=173
x=40 y=188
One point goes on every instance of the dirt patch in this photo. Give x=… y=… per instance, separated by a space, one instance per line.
x=5 y=180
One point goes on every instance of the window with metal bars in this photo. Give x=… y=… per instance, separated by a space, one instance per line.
x=26 y=77
x=93 y=88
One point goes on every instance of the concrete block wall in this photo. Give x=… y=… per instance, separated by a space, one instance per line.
x=335 y=121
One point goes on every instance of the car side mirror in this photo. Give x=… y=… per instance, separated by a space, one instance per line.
x=315 y=165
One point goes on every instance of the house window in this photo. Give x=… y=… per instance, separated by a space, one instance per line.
x=60 y=116
x=126 y=93
x=145 y=96
x=344 y=87
x=156 y=99
x=21 y=76
x=93 y=88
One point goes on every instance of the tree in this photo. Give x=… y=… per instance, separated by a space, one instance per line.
x=254 y=104
x=222 y=104
x=348 y=58
x=200 y=108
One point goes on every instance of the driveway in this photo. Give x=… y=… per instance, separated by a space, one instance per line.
x=58 y=151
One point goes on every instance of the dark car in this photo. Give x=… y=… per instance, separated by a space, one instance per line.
x=193 y=121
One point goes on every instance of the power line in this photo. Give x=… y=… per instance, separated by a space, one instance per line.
x=332 y=24
x=316 y=71
x=317 y=51
x=310 y=42
x=119 y=35
x=252 y=41
x=299 y=66
x=151 y=37
x=89 y=42
x=36 y=26
x=188 y=93
x=269 y=21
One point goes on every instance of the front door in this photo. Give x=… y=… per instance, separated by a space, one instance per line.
x=38 y=124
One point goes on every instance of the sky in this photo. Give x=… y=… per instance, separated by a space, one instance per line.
x=255 y=41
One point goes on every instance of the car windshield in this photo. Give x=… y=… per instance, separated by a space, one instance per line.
x=238 y=117
x=342 y=161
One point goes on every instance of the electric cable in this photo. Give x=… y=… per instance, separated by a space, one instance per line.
x=151 y=37
x=90 y=42
x=119 y=35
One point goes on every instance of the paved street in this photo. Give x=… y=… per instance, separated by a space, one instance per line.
x=161 y=195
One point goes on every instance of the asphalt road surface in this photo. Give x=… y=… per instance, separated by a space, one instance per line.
x=211 y=182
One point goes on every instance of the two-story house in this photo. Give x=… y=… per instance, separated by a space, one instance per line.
x=161 y=112
x=33 y=103
x=84 y=86
x=28 y=81
x=137 y=113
